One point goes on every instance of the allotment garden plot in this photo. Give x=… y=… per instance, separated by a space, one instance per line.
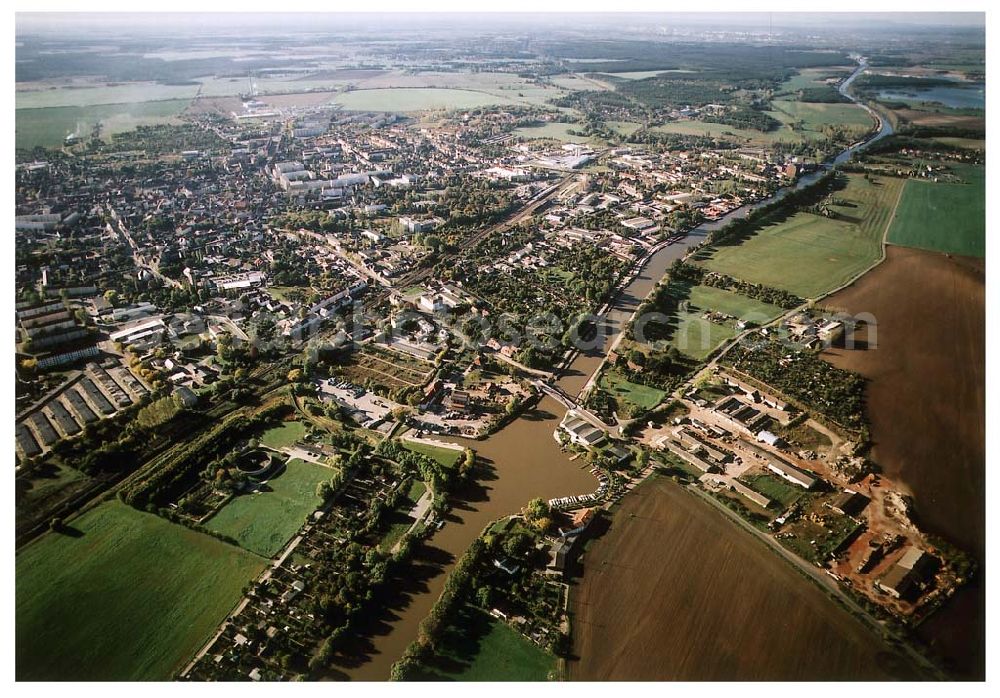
x=391 y=369
x=810 y=254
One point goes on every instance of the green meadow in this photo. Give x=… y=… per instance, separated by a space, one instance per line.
x=942 y=216
x=809 y=254
x=123 y=596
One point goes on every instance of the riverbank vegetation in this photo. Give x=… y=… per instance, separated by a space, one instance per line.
x=499 y=580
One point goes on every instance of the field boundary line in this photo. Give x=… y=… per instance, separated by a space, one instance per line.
x=884 y=243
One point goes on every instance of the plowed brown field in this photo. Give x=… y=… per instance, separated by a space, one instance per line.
x=675 y=591
x=926 y=407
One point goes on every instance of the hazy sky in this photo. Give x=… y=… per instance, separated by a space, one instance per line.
x=102 y=23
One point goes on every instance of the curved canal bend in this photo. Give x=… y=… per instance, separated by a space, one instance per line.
x=523 y=459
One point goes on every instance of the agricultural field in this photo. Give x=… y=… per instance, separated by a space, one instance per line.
x=637 y=74
x=743 y=630
x=809 y=254
x=813 y=116
x=445 y=456
x=940 y=454
x=407 y=99
x=642 y=396
x=933 y=116
x=967 y=143
x=283 y=435
x=49 y=126
x=498 y=84
x=944 y=217
x=481 y=648
x=263 y=521
x=572 y=81
x=808 y=78
x=124 y=595
x=730 y=133
x=102 y=95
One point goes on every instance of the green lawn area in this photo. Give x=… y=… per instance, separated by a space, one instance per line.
x=809 y=255
x=670 y=461
x=478 y=647
x=129 y=597
x=944 y=217
x=698 y=337
x=735 y=304
x=264 y=521
x=415 y=491
x=773 y=487
x=621 y=389
x=46 y=480
x=400 y=520
x=281 y=293
x=49 y=126
x=286 y=434
x=445 y=456
x=404 y=99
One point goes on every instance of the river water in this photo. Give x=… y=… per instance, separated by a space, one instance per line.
x=524 y=461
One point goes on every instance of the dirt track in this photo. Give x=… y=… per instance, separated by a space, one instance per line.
x=674 y=591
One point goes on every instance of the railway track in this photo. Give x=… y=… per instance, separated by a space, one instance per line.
x=525 y=212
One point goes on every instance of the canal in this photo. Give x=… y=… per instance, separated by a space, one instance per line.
x=523 y=460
